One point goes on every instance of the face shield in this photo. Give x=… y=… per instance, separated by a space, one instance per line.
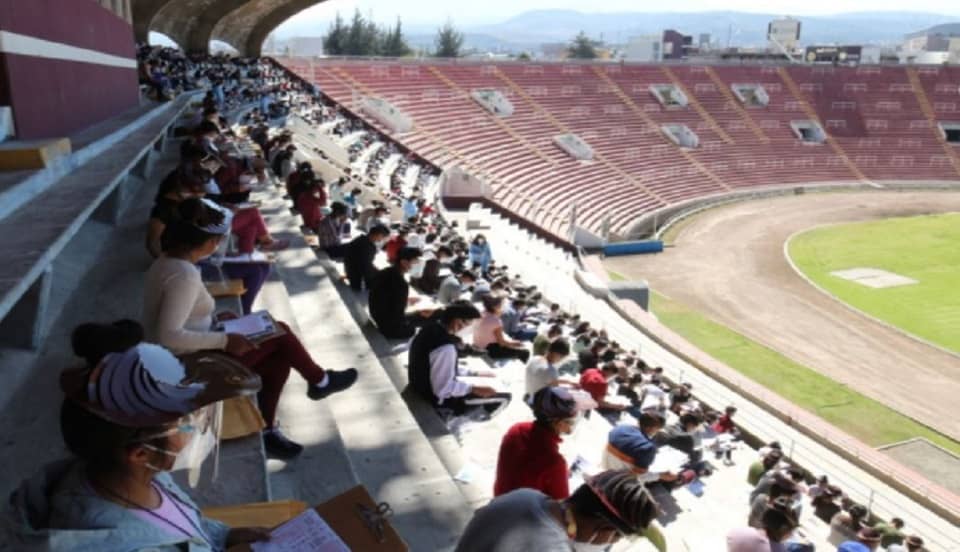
x=201 y=429
x=146 y=386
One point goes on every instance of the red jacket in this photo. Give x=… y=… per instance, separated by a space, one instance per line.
x=530 y=458
x=309 y=206
x=723 y=425
x=393 y=247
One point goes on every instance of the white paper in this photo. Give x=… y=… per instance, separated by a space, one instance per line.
x=479 y=381
x=253 y=324
x=255 y=257
x=304 y=533
x=668 y=459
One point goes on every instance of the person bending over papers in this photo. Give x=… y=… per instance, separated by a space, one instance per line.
x=178 y=314
x=433 y=366
x=608 y=507
x=632 y=447
x=390 y=297
x=530 y=451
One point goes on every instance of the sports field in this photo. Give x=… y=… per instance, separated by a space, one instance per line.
x=926 y=249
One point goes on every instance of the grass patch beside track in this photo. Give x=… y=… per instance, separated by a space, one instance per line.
x=860 y=416
x=924 y=248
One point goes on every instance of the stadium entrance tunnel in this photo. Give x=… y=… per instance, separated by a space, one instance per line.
x=951 y=132
x=809 y=132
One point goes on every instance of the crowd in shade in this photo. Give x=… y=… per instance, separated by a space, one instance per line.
x=141 y=402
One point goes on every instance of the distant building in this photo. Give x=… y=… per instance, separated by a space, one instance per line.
x=835 y=55
x=676 y=45
x=704 y=42
x=934 y=39
x=644 y=48
x=305 y=45
x=784 y=33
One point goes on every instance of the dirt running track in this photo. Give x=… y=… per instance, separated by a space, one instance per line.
x=729 y=263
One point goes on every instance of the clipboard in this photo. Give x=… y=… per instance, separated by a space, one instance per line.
x=353 y=515
x=268 y=328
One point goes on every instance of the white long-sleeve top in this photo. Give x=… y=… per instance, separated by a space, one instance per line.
x=178 y=309
x=443 y=374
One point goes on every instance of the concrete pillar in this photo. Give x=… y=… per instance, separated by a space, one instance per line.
x=24 y=325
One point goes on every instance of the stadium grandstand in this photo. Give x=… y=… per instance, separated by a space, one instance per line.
x=359 y=304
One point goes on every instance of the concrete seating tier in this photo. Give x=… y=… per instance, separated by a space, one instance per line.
x=45 y=209
x=882 y=128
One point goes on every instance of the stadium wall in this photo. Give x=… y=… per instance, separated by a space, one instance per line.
x=65 y=65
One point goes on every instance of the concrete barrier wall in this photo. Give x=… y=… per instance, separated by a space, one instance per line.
x=64 y=65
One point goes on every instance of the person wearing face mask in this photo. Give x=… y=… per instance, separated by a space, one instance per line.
x=683 y=435
x=178 y=314
x=390 y=297
x=329 y=230
x=480 y=255
x=129 y=416
x=182 y=183
x=489 y=334
x=453 y=286
x=609 y=506
x=542 y=370
x=530 y=451
x=397 y=242
x=433 y=367
x=428 y=282
x=359 y=255
x=309 y=199
x=776 y=524
x=633 y=447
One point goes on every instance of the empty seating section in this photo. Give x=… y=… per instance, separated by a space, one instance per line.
x=895 y=140
x=878 y=124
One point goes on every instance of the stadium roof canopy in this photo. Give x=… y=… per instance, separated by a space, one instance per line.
x=244 y=24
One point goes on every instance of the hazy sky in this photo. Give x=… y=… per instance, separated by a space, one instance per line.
x=471 y=12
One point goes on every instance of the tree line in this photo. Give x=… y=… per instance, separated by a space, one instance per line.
x=363 y=37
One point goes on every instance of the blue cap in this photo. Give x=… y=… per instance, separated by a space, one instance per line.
x=629 y=444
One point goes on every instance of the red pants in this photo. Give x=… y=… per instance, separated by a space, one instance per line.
x=248 y=226
x=272 y=361
x=309 y=206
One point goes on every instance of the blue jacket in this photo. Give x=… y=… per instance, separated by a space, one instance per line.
x=55 y=510
x=480 y=254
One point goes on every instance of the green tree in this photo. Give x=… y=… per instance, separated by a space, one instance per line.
x=523 y=56
x=582 y=47
x=362 y=37
x=393 y=44
x=448 y=41
x=334 y=42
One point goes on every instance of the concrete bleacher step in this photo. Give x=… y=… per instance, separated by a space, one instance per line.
x=106 y=266
x=385 y=448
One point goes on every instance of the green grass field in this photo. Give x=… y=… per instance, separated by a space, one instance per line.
x=864 y=418
x=925 y=248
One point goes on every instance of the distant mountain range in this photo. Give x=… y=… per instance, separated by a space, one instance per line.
x=743 y=29
x=529 y=30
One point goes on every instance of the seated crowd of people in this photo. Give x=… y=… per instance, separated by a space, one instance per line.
x=141 y=403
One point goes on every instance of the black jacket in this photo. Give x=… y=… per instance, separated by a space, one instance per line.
x=358 y=261
x=431 y=337
x=388 y=299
